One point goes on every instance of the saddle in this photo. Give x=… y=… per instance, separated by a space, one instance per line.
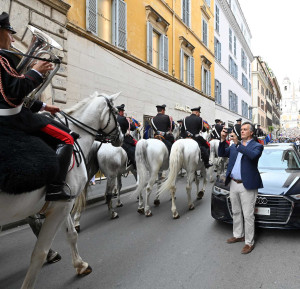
x=27 y=163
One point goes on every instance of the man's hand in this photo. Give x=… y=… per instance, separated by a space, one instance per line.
x=52 y=108
x=224 y=134
x=234 y=138
x=43 y=66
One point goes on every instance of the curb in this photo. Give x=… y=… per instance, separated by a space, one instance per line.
x=89 y=201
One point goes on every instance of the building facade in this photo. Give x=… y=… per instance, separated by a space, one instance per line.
x=153 y=51
x=290 y=108
x=233 y=59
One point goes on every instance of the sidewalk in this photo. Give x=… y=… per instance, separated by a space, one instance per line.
x=95 y=194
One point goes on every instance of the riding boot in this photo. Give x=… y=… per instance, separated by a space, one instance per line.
x=205 y=157
x=58 y=190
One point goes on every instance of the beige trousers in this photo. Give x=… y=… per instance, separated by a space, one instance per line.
x=243 y=205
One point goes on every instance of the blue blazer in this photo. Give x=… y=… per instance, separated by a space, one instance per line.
x=249 y=171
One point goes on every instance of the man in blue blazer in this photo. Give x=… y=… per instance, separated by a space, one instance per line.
x=244 y=178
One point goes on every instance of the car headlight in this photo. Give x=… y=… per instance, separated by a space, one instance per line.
x=219 y=191
x=296 y=197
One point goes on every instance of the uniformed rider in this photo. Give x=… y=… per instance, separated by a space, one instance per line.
x=129 y=142
x=216 y=132
x=162 y=125
x=237 y=129
x=13 y=115
x=259 y=132
x=192 y=127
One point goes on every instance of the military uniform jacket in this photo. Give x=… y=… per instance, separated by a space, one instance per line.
x=259 y=132
x=16 y=89
x=124 y=125
x=162 y=123
x=193 y=125
x=237 y=131
x=216 y=133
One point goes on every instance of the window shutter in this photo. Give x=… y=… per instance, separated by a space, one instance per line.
x=220 y=93
x=216 y=50
x=188 y=11
x=220 y=51
x=121 y=24
x=92 y=16
x=161 y=52
x=192 y=70
x=166 y=54
x=203 y=79
x=183 y=11
x=149 y=42
x=209 y=82
x=181 y=64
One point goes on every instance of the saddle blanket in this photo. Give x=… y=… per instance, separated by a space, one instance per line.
x=27 y=163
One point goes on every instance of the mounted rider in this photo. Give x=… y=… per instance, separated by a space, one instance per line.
x=237 y=128
x=129 y=142
x=14 y=116
x=163 y=126
x=192 y=127
x=216 y=132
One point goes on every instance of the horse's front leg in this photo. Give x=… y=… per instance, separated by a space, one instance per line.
x=190 y=178
x=82 y=268
x=111 y=181
x=119 y=187
x=55 y=216
x=76 y=218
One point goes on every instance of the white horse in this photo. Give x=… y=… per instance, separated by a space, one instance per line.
x=151 y=156
x=185 y=153
x=219 y=163
x=95 y=112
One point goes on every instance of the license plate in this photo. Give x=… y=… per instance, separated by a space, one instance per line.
x=262 y=211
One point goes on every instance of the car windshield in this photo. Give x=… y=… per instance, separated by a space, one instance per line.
x=278 y=159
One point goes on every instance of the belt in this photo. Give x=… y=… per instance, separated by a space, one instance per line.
x=10 y=111
x=238 y=181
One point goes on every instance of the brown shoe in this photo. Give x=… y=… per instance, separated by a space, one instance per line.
x=247 y=249
x=235 y=240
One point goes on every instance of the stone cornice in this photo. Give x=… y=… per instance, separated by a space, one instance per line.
x=91 y=37
x=231 y=18
x=58 y=5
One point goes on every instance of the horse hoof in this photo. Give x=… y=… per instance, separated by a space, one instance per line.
x=191 y=207
x=200 y=195
x=141 y=211
x=148 y=214
x=87 y=271
x=77 y=228
x=55 y=259
x=114 y=216
x=177 y=216
x=156 y=202
x=119 y=205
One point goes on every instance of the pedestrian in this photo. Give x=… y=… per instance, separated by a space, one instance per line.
x=14 y=116
x=244 y=178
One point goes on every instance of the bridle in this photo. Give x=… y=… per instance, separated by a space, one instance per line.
x=100 y=134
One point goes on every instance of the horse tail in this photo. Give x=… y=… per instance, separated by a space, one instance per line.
x=141 y=163
x=175 y=164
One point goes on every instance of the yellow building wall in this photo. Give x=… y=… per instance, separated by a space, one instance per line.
x=137 y=31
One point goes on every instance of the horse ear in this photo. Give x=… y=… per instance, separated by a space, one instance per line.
x=113 y=97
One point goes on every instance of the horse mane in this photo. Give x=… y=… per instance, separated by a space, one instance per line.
x=80 y=104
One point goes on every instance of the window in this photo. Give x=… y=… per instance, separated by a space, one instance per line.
x=233 y=69
x=245 y=82
x=262 y=105
x=250 y=88
x=234 y=46
x=186 y=12
x=157 y=48
x=258 y=101
x=262 y=90
x=250 y=113
x=108 y=20
x=218 y=55
x=244 y=109
x=218 y=92
x=186 y=68
x=230 y=39
x=217 y=18
x=204 y=32
x=233 y=101
x=206 y=80
x=244 y=60
x=262 y=121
